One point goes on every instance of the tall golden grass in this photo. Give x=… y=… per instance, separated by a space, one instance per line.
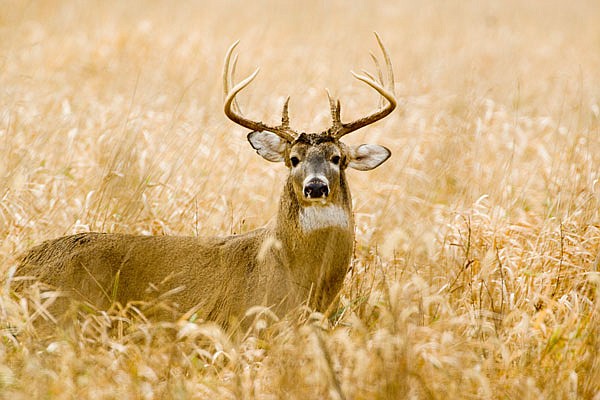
x=476 y=272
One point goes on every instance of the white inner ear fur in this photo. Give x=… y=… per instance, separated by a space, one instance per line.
x=368 y=156
x=313 y=218
x=270 y=146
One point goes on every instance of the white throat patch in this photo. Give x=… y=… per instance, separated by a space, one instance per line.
x=320 y=217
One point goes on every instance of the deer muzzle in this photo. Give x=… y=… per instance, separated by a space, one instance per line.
x=316 y=187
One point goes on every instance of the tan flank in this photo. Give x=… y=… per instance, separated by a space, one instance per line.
x=302 y=258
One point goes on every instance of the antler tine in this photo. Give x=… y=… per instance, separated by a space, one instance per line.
x=335 y=112
x=226 y=86
x=378 y=67
x=232 y=110
x=379 y=76
x=229 y=75
x=388 y=64
x=371 y=77
x=387 y=93
x=285 y=119
x=236 y=105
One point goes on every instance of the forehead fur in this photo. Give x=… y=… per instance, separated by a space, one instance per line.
x=314 y=139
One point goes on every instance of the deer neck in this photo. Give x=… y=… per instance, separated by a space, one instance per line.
x=308 y=233
x=315 y=246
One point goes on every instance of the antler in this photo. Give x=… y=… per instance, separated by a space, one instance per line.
x=232 y=110
x=339 y=128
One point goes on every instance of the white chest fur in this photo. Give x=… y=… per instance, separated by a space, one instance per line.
x=321 y=217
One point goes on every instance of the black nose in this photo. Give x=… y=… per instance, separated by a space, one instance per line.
x=316 y=189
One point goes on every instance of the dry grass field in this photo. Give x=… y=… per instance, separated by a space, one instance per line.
x=476 y=272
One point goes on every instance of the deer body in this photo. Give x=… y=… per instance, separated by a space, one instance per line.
x=217 y=278
x=302 y=258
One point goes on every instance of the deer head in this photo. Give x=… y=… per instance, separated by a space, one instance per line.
x=316 y=160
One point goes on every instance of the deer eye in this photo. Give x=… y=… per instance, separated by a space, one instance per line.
x=335 y=160
x=295 y=161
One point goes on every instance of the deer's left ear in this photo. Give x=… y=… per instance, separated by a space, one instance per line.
x=367 y=156
x=270 y=146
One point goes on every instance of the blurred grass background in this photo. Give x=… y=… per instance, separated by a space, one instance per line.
x=476 y=269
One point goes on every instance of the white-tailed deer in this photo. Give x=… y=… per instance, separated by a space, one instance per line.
x=301 y=258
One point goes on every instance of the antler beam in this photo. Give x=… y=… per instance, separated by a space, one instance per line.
x=339 y=128
x=232 y=110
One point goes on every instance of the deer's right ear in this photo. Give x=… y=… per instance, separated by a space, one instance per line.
x=270 y=146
